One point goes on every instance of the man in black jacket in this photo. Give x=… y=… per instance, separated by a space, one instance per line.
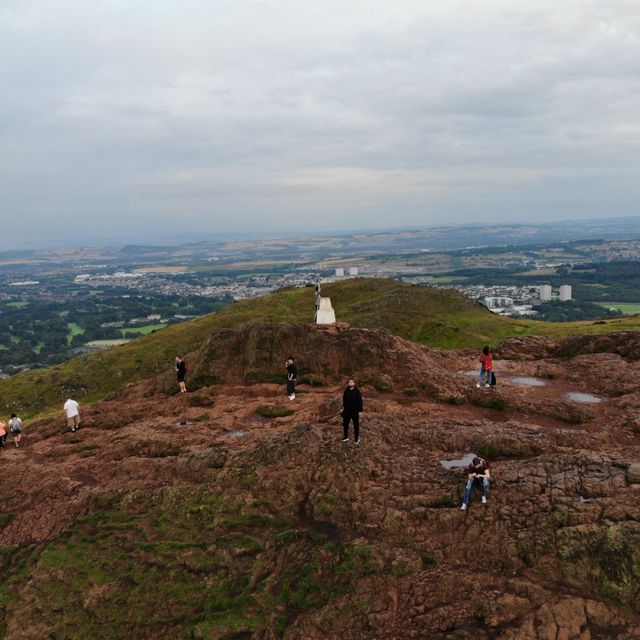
x=351 y=410
x=292 y=376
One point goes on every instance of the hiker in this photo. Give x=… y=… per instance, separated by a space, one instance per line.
x=292 y=377
x=3 y=433
x=351 y=410
x=15 y=426
x=478 y=476
x=181 y=372
x=72 y=412
x=486 y=368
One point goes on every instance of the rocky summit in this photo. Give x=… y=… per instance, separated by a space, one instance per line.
x=232 y=513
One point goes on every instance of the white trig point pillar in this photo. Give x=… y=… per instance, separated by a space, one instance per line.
x=326 y=314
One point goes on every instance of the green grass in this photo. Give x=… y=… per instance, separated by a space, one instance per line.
x=438 y=317
x=144 y=329
x=190 y=550
x=628 y=308
x=74 y=330
x=17 y=305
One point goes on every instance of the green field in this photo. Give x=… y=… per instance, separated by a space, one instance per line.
x=17 y=305
x=144 y=329
x=437 y=317
x=628 y=308
x=74 y=330
x=448 y=279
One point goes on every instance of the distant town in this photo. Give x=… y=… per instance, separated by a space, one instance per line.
x=60 y=302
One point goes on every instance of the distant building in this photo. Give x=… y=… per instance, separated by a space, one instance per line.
x=353 y=271
x=497 y=302
x=565 y=293
x=339 y=272
x=545 y=293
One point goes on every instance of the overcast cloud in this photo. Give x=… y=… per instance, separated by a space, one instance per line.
x=119 y=117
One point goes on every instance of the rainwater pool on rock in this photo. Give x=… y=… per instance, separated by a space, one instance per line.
x=583 y=398
x=236 y=434
x=528 y=381
x=465 y=461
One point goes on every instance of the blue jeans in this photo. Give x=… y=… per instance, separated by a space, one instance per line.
x=482 y=483
x=483 y=373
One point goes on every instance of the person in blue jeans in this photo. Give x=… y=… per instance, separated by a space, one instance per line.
x=478 y=476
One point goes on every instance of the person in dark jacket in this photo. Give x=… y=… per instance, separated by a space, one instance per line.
x=181 y=373
x=351 y=410
x=477 y=476
x=292 y=376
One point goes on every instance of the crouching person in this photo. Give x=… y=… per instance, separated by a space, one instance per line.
x=478 y=476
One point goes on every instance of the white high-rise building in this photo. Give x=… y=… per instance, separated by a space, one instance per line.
x=565 y=292
x=545 y=292
x=339 y=272
x=353 y=271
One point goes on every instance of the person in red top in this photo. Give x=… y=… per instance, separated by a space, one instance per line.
x=486 y=367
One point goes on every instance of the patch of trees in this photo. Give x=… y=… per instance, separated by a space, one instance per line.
x=572 y=311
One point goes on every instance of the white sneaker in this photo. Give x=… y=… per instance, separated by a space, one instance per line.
x=484 y=500
x=357 y=441
x=292 y=397
x=345 y=439
x=463 y=507
x=478 y=386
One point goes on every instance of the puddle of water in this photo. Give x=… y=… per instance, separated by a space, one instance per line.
x=583 y=398
x=470 y=373
x=465 y=461
x=528 y=381
x=236 y=434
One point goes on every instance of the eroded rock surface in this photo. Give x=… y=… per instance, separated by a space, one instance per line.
x=195 y=516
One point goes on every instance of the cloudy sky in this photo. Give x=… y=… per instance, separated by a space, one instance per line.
x=130 y=117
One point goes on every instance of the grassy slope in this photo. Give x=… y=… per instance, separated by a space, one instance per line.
x=437 y=317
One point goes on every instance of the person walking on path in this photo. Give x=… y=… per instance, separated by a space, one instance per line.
x=292 y=377
x=486 y=368
x=72 y=413
x=351 y=410
x=181 y=373
x=477 y=476
x=3 y=433
x=15 y=426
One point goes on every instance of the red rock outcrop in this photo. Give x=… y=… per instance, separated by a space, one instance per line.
x=283 y=531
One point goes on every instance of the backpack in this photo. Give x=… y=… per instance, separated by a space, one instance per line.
x=492 y=380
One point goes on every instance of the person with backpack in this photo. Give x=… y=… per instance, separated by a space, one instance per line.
x=181 y=373
x=292 y=377
x=351 y=410
x=3 y=433
x=477 y=476
x=486 y=368
x=15 y=426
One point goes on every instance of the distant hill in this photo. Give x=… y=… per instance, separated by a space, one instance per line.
x=435 y=317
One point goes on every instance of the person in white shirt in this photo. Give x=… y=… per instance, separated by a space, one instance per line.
x=72 y=412
x=15 y=426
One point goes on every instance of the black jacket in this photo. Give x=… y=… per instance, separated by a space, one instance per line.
x=352 y=400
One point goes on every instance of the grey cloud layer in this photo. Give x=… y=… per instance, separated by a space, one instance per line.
x=216 y=115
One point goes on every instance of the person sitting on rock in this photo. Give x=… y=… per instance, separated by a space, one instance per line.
x=486 y=367
x=478 y=475
x=351 y=410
